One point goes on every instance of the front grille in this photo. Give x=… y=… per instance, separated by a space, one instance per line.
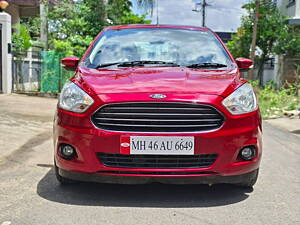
x=157 y=117
x=157 y=161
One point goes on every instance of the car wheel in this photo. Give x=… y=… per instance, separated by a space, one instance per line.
x=249 y=180
x=60 y=179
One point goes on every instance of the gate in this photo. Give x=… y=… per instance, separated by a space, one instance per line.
x=38 y=71
x=26 y=71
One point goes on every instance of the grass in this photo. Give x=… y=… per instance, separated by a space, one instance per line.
x=273 y=103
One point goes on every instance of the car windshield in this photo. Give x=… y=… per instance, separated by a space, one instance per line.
x=158 y=46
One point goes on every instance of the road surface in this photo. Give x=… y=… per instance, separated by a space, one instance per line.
x=29 y=193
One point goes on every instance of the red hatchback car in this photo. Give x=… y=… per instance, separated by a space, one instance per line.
x=157 y=103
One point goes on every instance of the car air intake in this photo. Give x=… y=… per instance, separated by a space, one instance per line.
x=157 y=161
x=157 y=117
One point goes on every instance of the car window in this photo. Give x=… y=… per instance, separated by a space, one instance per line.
x=180 y=46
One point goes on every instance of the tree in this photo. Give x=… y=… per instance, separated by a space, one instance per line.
x=76 y=23
x=273 y=35
x=68 y=27
x=73 y=24
x=147 y=5
x=119 y=12
x=21 y=39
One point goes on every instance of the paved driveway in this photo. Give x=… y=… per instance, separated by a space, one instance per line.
x=29 y=193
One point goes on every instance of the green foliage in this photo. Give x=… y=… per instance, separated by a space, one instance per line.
x=289 y=42
x=21 y=39
x=239 y=46
x=74 y=24
x=68 y=29
x=33 y=25
x=119 y=12
x=130 y=18
x=274 y=102
x=273 y=35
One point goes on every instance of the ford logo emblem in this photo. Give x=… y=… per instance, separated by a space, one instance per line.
x=158 y=96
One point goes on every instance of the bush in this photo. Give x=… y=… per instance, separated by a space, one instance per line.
x=21 y=39
x=273 y=103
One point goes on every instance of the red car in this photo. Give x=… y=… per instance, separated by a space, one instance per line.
x=157 y=103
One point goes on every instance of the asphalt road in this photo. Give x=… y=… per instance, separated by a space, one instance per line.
x=29 y=193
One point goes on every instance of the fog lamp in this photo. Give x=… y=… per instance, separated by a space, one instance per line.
x=67 y=151
x=247 y=153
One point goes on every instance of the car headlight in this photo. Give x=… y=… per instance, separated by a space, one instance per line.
x=241 y=101
x=74 y=99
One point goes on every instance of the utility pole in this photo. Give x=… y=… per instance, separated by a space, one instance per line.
x=254 y=37
x=44 y=23
x=203 y=5
x=105 y=6
x=157 y=15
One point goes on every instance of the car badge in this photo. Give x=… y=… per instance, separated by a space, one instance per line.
x=158 y=96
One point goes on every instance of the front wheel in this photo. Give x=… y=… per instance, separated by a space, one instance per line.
x=249 y=180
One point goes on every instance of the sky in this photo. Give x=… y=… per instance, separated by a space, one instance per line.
x=222 y=15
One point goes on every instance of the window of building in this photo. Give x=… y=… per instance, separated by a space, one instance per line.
x=290 y=3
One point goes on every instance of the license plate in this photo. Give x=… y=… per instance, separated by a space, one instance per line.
x=157 y=145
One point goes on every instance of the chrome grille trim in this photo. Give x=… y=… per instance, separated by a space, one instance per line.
x=140 y=125
x=149 y=117
x=159 y=114
x=157 y=108
x=195 y=120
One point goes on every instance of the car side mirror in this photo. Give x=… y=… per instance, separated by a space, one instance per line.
x=70 y=63
x=244 y=64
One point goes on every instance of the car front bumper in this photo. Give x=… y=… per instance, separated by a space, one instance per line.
x=125 y=179
x=236 y=132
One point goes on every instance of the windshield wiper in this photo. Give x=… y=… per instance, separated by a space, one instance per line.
x=206 y=65
x=137 y=63
x=146 y=62
x=106 y=65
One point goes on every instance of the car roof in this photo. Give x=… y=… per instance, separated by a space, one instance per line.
x=156 y=26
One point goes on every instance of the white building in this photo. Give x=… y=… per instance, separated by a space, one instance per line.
x=11 y=16
x=22 y=9
x=285 y=69
x=290 y=8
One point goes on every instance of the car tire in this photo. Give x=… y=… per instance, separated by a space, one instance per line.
x=250 y=180
x=60 y=179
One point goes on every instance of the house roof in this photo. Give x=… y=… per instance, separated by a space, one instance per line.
x=29 y=2
x=27 y=8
